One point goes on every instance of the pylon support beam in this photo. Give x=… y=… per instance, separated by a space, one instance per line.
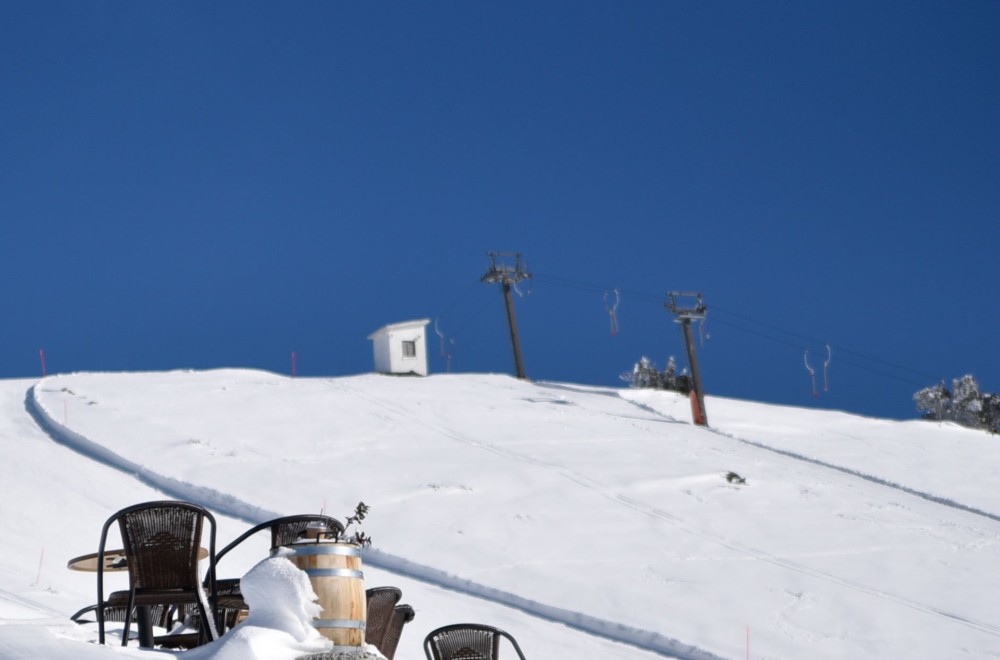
x=684 y=317
x=508 y=276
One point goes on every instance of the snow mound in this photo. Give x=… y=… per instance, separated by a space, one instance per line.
x=282 y=606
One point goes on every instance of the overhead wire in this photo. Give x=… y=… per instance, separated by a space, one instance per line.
x=596 y=288
x=798 y=346
x=464 y=323
x=840 y=349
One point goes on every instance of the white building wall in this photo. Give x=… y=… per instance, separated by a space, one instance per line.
x=387 y=346
x=383 y=362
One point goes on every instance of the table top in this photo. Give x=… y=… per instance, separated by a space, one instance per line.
x=114 y=560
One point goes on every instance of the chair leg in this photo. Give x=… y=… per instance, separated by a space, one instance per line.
x=145 y=625
x=100 y=624
x=208 y=629
x=128 y=618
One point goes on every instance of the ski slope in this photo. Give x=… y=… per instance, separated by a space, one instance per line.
x=589 y=522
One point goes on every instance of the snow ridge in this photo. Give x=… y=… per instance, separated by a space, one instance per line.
x=178 y=489
x=881 y=481
x=644 y=639
x=930 y=497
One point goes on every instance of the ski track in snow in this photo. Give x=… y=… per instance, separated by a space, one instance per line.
x=801 y=568
x=11 y=597
x=646 y=509
x=643 y=639
x=880 y=481
x=233 y=507
x=930 y=497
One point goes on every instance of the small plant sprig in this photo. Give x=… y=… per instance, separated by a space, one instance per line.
x=357 y=536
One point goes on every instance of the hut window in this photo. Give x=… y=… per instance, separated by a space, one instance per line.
x=409 y=349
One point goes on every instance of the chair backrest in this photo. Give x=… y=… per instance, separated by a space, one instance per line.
x=401 y=615
x=162 y=541
x=380 y=602
x=467 y=641
x=285 y=530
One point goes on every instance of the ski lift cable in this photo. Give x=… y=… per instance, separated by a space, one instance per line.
x=587 y=286
x=813 y=340
x=658 y=300
x=852 y=363
x=799 y=347
x=475 y=315
x=461 y=298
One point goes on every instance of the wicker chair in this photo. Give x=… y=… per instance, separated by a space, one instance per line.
x=380 y=602
x=162 y=541
x=159 y=615
x=284 y=531
x=401 y=615
x=467 y=641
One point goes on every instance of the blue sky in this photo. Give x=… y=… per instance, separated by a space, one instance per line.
x=199 y=185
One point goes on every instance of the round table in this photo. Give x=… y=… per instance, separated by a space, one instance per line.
x=114 y=560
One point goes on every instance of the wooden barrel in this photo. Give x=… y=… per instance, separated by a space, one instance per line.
x=334 y=569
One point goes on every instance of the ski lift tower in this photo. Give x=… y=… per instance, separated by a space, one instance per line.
x=508 y=276
x=684 y=317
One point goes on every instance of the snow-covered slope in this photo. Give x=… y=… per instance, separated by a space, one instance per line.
x=589 y=522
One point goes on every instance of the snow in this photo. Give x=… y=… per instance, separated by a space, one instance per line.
x=282 y=604
x=586 y=521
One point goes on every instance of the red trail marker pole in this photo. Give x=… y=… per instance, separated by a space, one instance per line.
x=41 y=356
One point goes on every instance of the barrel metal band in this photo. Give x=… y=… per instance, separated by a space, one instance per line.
x=335 y=572
x=326 y=549
x=338 y=623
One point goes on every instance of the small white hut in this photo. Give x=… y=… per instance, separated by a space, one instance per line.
x=401 y=348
